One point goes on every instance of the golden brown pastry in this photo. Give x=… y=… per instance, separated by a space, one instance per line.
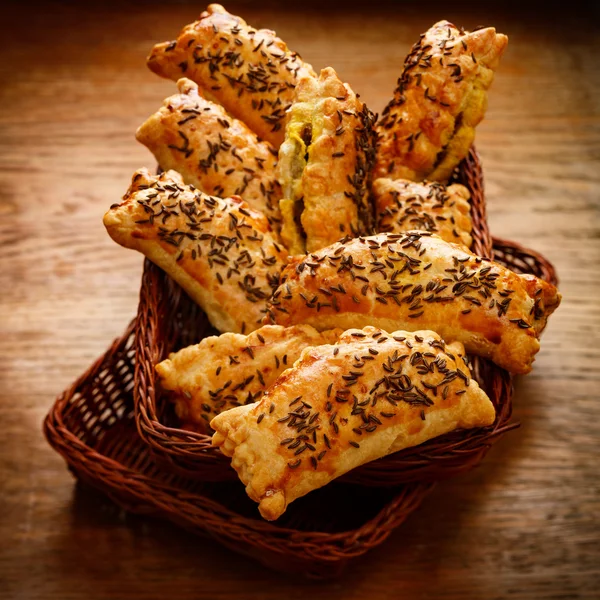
x=232 y=369
x=429 y=125
x=413 y=281
x=324 y=165
x=402 y=205
x=222 y=253
x=249 y=71
x=343 y=405
x=213 y=151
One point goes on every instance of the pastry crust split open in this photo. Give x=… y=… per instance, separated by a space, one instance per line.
x=325 y=165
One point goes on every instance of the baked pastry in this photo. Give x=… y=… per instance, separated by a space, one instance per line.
x=429 y=125
x=402 y=205
x=324 y=165
x=222 y=253
x=343 y=405
x=416 y=280
x=249 y=71
x=213 y=151
x=232 y=369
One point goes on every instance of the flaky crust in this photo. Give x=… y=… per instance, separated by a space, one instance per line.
x=325 y=164
x=413 y=281
x=222 y=253
x=429 y=125
x=402 y=205
x=343 y=405
x=213 y=151
x=249 y=71
x=230 y=370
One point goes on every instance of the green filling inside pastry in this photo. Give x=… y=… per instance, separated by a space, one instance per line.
x=299 y=134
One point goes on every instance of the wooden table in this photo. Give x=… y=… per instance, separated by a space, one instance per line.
x=74 y=88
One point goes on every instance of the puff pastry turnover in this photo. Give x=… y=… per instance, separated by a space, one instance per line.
x=402 y=205
x=413 y=281
x=232 y=369
x=429 y=125
x=213 y=151
x=324 y=165
x=343 y=405
x=249 y=71
x=222 y=253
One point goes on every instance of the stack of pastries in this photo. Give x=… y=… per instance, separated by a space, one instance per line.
x=329 y=249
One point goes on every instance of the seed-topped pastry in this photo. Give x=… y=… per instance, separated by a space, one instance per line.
x=232 y=369
x=429 y=125
x=325 y=164
x=249 y=71
x=213 y=151
x=402 y=205
x=416 y=280
x=343 y=405
x=222 y=253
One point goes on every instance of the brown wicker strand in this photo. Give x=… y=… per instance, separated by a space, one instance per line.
x=519 y=260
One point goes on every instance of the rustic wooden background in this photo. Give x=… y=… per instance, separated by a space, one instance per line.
x=74 y=87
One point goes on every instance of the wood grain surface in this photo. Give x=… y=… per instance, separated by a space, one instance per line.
x=74 y=88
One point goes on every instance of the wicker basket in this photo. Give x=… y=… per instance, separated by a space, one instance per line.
x=169 y=320
x=92 y=426
x=111 y=425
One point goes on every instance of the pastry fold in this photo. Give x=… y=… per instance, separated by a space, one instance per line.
x=429 y=125
x=343 y=405
x=402 y=205
x=230 y=370
x=251 y=72
x=213 y=151
x=325 y=164
x=222 y=253
x=416 y=280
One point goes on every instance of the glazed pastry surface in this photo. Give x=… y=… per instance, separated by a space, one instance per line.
x=402 y=205
x=220 y=251
x=343 y=405
x=429 y=125
x=251 y=72
x=231 y=369
x=213 y=151
x=416 y=280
